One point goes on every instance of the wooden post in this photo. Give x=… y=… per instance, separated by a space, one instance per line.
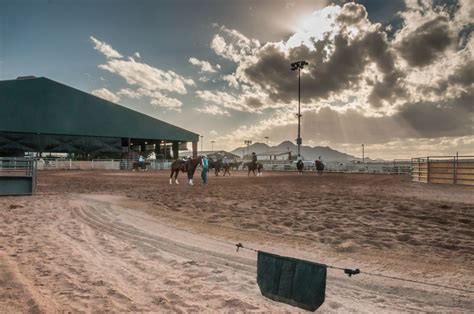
x=195 y=145
x=455 y=168
x=175 y=148
x=165 y=156
x=428 y=169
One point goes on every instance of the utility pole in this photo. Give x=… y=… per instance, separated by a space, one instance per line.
x=363 y=154
x=267 y=137
x=298 y=65
x=212 y=145
x=202 y=136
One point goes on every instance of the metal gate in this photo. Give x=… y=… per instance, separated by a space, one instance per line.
x=444 y=169
x=17 y=176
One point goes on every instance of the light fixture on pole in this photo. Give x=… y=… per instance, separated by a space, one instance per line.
x=212 y=146
x=298 y=65
x=248 y=142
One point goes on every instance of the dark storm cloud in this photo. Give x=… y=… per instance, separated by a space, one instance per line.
x=425 y=44
x=341 y=70
x=436 y=119
x=463 y=76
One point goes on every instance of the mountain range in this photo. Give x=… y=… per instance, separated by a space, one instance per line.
x=307 y=152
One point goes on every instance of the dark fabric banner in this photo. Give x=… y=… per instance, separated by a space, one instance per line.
x=293 y=281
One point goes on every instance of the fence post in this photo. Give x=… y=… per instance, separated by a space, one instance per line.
x=428 y=169
x=455 y=169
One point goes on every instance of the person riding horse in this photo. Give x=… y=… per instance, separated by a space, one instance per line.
x=300 y=165
x=319 y=166
x=254 y=165
x=254 y=158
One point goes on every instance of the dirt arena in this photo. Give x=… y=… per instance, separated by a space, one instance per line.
x=129 y=241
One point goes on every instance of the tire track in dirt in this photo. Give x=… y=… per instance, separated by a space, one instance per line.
x=377 y=293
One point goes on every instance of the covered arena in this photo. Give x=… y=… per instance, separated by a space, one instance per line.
x=39 y=115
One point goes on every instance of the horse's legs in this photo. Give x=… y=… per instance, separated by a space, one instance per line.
x=176 y=176
x=171 y=176
x=190 y=178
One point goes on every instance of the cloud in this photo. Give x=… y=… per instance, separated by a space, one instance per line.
x=213 y=110
x=226 y=100
x=231 y=80
x=145 y=76
x=420 y=122
x=106 y=94
x=127 y=92
x=105 y=49
x=233 y=45
x=144 y=80
x=345 y=67
x=204 y=65
x=427 y=42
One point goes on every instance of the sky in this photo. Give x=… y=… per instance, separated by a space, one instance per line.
x=395 y=75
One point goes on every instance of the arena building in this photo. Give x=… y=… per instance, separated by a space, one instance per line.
x=39 y=115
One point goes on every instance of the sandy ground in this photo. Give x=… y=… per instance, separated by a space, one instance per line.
x=122 y=241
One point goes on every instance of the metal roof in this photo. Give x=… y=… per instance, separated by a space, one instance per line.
x=41 y=105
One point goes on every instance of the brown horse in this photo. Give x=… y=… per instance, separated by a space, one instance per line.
x=188 y=166
x=300 y=166
x=319 y=167
x=252 y=166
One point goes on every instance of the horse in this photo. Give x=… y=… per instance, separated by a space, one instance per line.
x=137 y=165
x=252 y=166
x=235 y=165
x=226 y=167
x=181 y=165
x=216 y=165
x=319 y=167
x=300 y=166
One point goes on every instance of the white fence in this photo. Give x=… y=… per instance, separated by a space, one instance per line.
x=98 y=164
x=395 y=167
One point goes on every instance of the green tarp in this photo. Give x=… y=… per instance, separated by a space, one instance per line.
x=292 y=281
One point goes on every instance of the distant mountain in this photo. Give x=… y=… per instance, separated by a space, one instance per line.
x=308 y=152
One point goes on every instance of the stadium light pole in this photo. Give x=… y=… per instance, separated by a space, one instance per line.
x=248 y=142
x=212 y=145
x=363 y=154
x=267 y=137
x=202 y=136
x=298 y=65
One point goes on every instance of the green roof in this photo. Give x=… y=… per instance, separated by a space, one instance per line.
x=41 y=105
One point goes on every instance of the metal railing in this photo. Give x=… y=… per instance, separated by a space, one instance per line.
x=444 y=169
x=397 y=166
x=17 y=176
x=98 y=164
